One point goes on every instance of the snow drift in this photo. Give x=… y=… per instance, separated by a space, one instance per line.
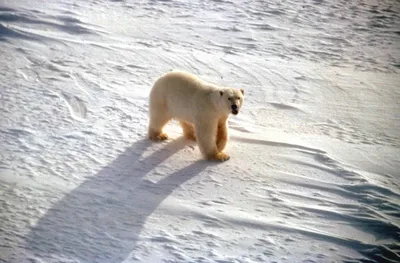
x=314 y=168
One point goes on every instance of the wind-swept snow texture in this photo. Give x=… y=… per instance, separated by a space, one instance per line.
x=314 y=169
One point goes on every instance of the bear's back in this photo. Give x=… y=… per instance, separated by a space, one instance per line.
x=180 y=91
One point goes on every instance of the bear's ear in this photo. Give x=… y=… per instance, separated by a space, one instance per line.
x=221 y=93
x=242 y=91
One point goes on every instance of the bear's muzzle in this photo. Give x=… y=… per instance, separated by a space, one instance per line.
x=235 y=110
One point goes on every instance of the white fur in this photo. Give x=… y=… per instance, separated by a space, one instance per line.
x=202 y=109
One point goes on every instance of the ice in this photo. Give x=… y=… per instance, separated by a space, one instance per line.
x=314 y=169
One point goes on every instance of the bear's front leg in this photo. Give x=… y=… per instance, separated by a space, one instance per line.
x=222 y=134
x=206 y=138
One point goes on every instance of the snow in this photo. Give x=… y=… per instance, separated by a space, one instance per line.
x=314 y=169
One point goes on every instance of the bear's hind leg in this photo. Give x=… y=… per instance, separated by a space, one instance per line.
x=222 y=135
x=188 y=130
x=157 y=122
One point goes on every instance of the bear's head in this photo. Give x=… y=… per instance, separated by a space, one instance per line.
x=231 y=100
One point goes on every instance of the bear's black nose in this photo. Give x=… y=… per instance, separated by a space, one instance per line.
x=233 y=107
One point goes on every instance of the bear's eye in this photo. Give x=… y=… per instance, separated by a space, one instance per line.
x=229 y=98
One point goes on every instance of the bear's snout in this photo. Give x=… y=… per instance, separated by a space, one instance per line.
x=234 y=108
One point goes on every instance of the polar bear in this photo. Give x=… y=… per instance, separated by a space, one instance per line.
x=201 y=108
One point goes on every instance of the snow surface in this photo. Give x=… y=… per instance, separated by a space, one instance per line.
x=314 y=169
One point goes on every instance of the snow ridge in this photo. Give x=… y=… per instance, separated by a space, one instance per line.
x=314 y=169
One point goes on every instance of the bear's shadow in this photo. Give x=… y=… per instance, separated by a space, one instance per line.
x=101 y=220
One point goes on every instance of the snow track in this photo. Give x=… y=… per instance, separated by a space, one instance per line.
x=314 y=168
